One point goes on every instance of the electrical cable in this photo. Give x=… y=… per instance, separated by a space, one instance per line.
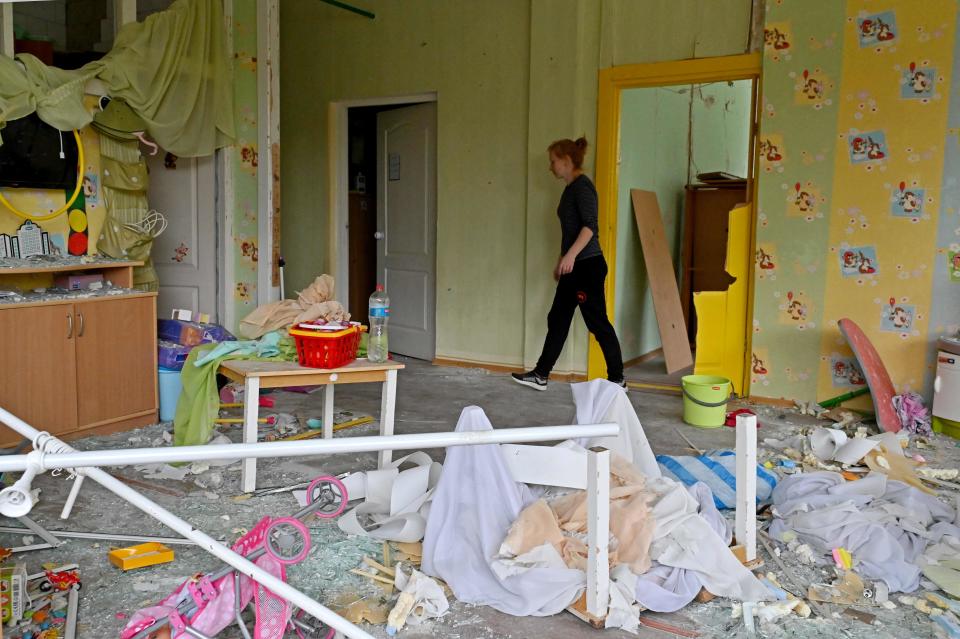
x=65 y=207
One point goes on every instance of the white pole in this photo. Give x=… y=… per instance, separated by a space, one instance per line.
x=746 y=518
x=598 y=531
x=96 y=536
x=64 y=456
x=72 y=497
x=304 y=448
x=44 y=441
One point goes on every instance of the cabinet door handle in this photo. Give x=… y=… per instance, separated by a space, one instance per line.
x=80 y=332
x=69 y=325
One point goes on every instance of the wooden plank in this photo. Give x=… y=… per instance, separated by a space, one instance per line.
x=119 y=275
x=579 y=610
x=320 y=378
x=663 y=281
x=269 y=369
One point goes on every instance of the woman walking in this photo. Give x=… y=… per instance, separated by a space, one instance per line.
x=580 y=271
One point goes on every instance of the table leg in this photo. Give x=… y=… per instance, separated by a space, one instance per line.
x=388 y=400
x=328 y=410
x=251 y=411
x=598 y=531
x=745 y=527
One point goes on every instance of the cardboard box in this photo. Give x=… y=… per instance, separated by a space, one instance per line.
x=171 y=355
x=191 y=333
x=13 y=592
x=77 y=282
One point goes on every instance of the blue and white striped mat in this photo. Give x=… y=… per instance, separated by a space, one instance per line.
x=718 y=470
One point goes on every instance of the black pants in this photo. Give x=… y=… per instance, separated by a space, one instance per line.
x=582 y=287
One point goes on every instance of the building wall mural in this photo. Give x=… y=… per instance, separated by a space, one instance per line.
x=89 y=208
x=859 y=157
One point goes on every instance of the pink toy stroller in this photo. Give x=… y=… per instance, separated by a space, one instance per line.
x=205 y=605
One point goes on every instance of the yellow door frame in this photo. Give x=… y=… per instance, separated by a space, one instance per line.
x=612 y=81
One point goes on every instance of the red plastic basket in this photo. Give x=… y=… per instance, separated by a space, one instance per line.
x=319 y=349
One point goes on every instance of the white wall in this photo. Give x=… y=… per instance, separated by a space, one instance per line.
x=654 y=127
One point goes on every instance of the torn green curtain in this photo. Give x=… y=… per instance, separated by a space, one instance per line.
x=172 y=69
x=199 y=400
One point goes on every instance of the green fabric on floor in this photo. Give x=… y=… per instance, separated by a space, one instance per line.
x=199 y=400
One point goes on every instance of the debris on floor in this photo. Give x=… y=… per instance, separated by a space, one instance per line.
x=815 y=583
x=40 y=605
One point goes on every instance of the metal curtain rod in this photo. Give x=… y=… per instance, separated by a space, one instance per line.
x=343 y=5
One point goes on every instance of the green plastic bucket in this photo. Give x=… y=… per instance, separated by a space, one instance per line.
x=705 y=400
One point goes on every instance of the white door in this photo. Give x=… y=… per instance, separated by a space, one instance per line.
x=407 y=225
x=185 y=255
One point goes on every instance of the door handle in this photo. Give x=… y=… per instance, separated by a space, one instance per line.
x=69 y=325
x=80 y=332
x=378 y=235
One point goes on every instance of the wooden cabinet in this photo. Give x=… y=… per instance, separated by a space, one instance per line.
x=705 y=222
x=38 y=377
x=116 y=359
x=79 y=366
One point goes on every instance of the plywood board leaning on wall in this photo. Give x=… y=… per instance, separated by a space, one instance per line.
x=663 y=281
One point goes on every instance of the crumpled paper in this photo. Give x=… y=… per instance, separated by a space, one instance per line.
x=831 y=444
x=429 y=600
x=396 y=502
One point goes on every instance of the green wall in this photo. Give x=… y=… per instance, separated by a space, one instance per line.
x=721 y=128
x=511 y=76
x=654 y=128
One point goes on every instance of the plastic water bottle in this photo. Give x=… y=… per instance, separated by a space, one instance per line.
x=379 y=314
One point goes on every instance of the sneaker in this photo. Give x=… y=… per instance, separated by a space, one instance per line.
x=622 y=384
x=530 y=379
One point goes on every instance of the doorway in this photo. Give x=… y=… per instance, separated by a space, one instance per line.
x=686 y=132
x=384 y=194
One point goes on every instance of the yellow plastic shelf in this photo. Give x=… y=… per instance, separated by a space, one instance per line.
x=148 y=554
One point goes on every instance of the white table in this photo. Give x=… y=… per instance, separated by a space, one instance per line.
x=255 y=375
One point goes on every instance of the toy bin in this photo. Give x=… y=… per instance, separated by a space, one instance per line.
x=169 y=386
x=172 y=356
x=325 y=348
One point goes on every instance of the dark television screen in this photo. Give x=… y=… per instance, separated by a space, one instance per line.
x=30 y=155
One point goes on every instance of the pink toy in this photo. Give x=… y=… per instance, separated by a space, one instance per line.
x=210 y=603
x=913 y=414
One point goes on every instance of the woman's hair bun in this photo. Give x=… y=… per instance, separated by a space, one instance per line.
x=581 y=142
